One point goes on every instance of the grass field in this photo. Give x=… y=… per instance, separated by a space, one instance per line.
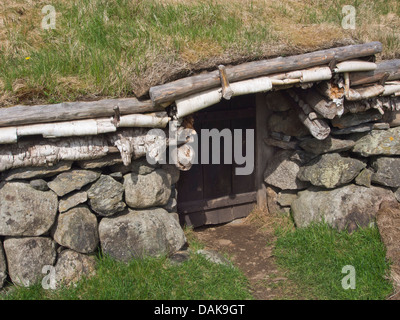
x=120 y=48
x=314 y=258
x=149 y=279
x=311 y=258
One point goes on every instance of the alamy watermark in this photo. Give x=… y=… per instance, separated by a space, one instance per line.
x=49 y=20
x=49 y=280
x=349 y=20
x=213 y=141
x=349 y=281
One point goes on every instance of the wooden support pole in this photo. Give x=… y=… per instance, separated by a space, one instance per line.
x=67 y=111
x=227 y=92
x=262 y=152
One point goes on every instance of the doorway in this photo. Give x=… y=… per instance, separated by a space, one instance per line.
x=212 y=193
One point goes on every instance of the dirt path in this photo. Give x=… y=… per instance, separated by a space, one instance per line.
x=251 y=251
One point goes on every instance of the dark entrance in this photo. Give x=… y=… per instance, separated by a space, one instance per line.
x=213 y=193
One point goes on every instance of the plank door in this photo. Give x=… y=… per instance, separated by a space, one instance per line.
x=213 y=193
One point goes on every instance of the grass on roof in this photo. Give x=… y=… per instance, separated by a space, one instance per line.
x=120 y=48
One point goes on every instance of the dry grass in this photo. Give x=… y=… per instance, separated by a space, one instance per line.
x=270 y=223
x=121 y=48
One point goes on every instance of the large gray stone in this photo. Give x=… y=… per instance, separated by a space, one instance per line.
x=330 y=170
x=105 y=196
x=387 y=172
x=28 y=173
x=72 y=180
x=25 y=211
x=72 y=266
x=281 y=172
x=3 y=266
x=379 y=142
x=150 y=190
x=26 y=258
x=343 y=208
x=330 y=144
x=77 y=229
x=141 y=233
x=72 y=200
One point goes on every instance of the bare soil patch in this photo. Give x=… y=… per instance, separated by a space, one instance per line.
x=251 y=250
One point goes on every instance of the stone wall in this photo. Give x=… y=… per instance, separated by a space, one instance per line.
x=61 y=216
x=58 y=217
x=342 y=179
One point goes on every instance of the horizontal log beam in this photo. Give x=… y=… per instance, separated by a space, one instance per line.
x=132 y=143
x=191 y=85
x=86 y=127
x=67 y=111
x=389 y=69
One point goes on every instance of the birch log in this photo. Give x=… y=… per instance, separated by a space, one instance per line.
x=183 y=157
x=261 y=84
x=82 y=127
x=307 y=75
x=197 y=102
x=144 y=120
x=391 y=89
x=187 y=86
x=203 y=100
x=364 y=93
x=132 y=143
x=316 y=74
x=34 y=153
x=318 y=127
x=354 y=66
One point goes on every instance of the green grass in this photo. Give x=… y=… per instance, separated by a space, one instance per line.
x=103 y=47
x=120 y=48
x=314 y=258
x=148 y=279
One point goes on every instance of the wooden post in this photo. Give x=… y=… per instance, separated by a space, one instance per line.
x=227 y=92
x=263 y=152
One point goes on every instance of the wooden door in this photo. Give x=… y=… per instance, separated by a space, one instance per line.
x=213 y=193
